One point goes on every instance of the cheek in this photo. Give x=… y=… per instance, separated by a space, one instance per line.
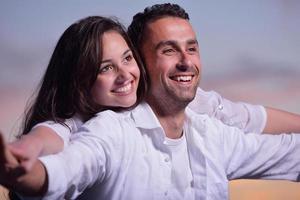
x=198 y=65
x=136 y=71
x=152 y=73
x=196 y=62
x=138 y=75
x=163 y=67
x=100 y=89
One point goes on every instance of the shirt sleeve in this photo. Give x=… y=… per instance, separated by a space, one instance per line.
x=260 y=156
x=87 y=159
x=247 y=117
x=64 y=131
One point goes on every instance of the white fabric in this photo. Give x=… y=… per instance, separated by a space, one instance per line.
x=64 y=131
x=181 y=175
x=249 y=118
x=123 y=154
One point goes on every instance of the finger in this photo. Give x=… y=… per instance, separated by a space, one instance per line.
x=18 y=153
x=27 y=165
x=17 y=172
x=6 y=156
x=2 y=148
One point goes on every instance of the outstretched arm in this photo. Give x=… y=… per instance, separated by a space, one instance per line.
x=40 y=141
x=279 y=121
x=45 y=138
x=15 y=177
x=250 y=118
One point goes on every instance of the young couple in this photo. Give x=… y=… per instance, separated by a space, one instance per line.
x=150 y=145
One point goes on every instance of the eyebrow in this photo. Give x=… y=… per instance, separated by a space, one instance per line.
x=174 y=43
x=192 y=41
x=123 y=54
x=165 y=43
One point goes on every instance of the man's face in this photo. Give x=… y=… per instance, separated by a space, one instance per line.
x=171 y=54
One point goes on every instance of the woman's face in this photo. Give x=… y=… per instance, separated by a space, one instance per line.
x=118 y=76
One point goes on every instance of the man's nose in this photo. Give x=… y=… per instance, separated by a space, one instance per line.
x=184 y=62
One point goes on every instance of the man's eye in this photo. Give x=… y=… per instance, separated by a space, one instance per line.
x=193 y=49
x=105 y=68
x=168 y=51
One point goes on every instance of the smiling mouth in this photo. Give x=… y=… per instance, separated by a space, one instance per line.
x=182 y=78
x=124 y=89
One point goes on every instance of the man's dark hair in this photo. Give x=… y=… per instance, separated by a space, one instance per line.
x=140 y=20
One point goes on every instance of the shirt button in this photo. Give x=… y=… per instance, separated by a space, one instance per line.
x=166 y=193
x=167 y=159
x=220 y=107
x=192 y=184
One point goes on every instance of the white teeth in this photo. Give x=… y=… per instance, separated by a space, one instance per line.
x=183 y=78
x=126 y=88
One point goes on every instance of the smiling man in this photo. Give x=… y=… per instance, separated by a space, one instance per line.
x=161 y=149
x=171 y=51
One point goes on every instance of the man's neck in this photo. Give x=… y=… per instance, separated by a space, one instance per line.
x=170 y=116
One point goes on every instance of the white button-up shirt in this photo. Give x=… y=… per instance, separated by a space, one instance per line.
x=248 y=117
x=124 y=156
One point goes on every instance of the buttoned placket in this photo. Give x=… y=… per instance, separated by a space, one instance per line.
x=197 y=158
x=167 y=163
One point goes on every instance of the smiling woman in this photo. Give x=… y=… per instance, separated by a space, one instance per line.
x=93 y=68
x=115 y=150
x=118 y=76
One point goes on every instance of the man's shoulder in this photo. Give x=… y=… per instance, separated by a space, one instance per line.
x=205 y=123
x=205 y=102
x=193 y=115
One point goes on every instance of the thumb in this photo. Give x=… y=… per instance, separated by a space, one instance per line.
x=5 y=154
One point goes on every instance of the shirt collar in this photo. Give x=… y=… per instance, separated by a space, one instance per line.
x=195 y=120
x=144 y=117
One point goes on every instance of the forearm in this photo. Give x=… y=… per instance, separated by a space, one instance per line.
x=46 y=139
x=279 y=121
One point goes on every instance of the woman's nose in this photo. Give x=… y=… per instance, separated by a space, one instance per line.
x=122 y=75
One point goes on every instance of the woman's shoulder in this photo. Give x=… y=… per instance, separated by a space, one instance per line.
x=110 y=114
x=108 y=118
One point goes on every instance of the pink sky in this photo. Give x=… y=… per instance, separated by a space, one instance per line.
x=250 y=52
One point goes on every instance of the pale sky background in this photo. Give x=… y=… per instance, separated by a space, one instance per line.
x=249 y=49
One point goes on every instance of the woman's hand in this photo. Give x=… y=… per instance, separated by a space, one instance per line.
x=10 y=168
x=14 y=176
x=26 y=150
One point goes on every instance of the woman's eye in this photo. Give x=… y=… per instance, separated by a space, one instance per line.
x=105 y=68
x=128 y=58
